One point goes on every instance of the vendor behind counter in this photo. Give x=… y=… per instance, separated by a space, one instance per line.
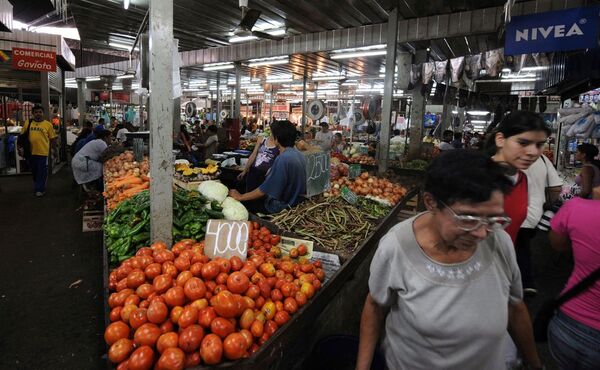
x=286 y=180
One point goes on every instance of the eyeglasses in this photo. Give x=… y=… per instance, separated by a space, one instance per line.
x=472 y=223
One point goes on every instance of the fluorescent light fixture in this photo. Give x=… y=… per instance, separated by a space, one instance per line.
x=539 y=68
x=278 y=32
x=121 y=46
x=370 y=90
x=287 y=92
x=71 y=86
x=66 y=32
x=126 y=4
x=117 y=87
x=328 y=78
x=218 y=66
x=527 y=75
x=363 y=48
x=506 y=70
x=93 y=78
x=350 y=83
x=478 y=121
x=268 y=61
x=242 y=38
x=125 y=77
x=477 y=112
x=279 y=80
x=358 y=54
x=518 y=80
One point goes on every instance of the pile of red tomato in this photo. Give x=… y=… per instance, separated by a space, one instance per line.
x=173 y=309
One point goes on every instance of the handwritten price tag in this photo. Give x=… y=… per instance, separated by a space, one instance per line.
x=348 y=195
x=227 y=239
x=317 y=173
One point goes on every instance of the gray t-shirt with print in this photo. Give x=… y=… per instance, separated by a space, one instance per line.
x=444 y=316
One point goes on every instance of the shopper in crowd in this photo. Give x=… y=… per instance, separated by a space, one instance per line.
x=447 y=136
x=589 y=177
x=429 y=138
x=86 y=164
x=114 y=122
x=260 y=161
x=574 y=331
x=543 y=186
x=446 y=282
x=517 y=142
x=86 y=131
x=209 y=147
x=457 y=143
x=324 y=137
x=101 y=123
x=286 y=180
x=41 y=138
x=338 y=143
x=121 y=134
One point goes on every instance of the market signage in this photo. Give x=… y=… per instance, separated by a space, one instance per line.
x=227 y=239
x=563 y=30
x=317 y=173
x=33 y=60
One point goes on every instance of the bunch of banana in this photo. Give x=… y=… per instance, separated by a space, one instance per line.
x=211 y=169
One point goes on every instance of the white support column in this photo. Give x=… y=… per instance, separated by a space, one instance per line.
x=388 y=92
x=161 y=120
x=81 y=100
x=417 y=113
x=218 y=99
x=303 y=106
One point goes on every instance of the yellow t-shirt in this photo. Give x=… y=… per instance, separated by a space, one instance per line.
x=40 y=135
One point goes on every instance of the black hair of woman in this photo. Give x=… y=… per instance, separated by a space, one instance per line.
x=515 y=123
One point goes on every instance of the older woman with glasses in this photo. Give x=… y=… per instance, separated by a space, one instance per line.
x=446 y=282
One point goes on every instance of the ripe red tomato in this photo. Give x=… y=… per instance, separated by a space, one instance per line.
x=120 y=350
x=175 y=296
x=163 y=256
x=211 y=349
x=247 y=318
x=183 y=277
x=116 y=331
x=196 y=269
x=238 y=283
x=157 y=312
x=267 y=269
x=253 y=291
x=144 y=290
x=224 y=265
x=234 y=346
x=182 y=263
x=222 y=278
x=136 y=278
x=167 y=340
x=192 y=359
x=141 y=359
x=171 y=359
x=166 y=327
x=176 y=314
x=153 y=270
x=190 y=338
x=188 y=317
x=226 y=304
x=146 y=335
x=281 y=317
x=210 y=270
x=268 y=309
x=115 y=314
x=248 y=337
x=270 y=327
x=302 y=250
x=236 y=263
x=170 y=269
x=265 y=289
x=194 y=289
x=158 y=246
x=308 y=289
x=300 y=298
x=206 y=316
x=275 y=239
x=257 y=328
x=320 y=274
x=248 y=269
x=222 y=327
x=138 y=318
x=276 y=295
x=290 y=305
x=144 y=251
x=162 y=283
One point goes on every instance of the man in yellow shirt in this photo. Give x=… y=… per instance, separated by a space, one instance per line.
x=41 y=136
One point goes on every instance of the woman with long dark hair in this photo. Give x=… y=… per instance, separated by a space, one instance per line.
x=589 y=177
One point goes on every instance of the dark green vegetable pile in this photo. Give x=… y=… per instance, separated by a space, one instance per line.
x=127 y=227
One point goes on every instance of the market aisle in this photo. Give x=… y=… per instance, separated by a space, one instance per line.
x=45 y=323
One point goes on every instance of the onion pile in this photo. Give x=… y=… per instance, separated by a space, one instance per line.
x=124 y=165
x=367 y=185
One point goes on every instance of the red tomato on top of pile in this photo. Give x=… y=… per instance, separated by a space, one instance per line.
x=173 y=309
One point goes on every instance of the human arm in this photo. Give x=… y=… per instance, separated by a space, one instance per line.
x=251 y=159
x=559 y=233
x=371 y=321
x=587 y=174
x=254 y=194
x=521 y=331
x=560 y=242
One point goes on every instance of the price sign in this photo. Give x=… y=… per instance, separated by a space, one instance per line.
x=354 y=171
x=227 y=239
x=348 y=195
x=317 y=173
x=363 y=149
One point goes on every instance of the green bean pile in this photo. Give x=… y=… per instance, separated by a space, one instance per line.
x=332 y=223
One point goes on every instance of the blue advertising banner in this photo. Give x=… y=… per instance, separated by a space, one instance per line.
x=563 y=30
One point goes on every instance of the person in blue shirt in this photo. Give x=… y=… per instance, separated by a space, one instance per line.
x=285 y=183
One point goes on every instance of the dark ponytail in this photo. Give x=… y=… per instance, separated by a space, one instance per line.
x=515 y=123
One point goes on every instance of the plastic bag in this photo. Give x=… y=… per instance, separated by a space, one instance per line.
x=440 y=71
x=428 y=69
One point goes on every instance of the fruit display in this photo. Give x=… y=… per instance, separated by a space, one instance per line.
x=339 y=156
x=332 y=223
x=337 y=169
x=175 y=309
x=186 y=172
x=382 y=190
x=124 y=177
x=247 y=144
x=362 y=159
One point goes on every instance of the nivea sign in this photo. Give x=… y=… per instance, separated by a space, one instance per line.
x=553 y=31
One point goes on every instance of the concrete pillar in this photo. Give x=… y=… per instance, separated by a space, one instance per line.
x=303 y=120
x=110 y=106
x=388 y=92
x=218 y=98
x=238 y=91
x=417 y=113
x=161 y=120
x=63 y=113
x=81 y=100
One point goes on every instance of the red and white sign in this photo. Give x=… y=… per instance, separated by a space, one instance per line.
x=33 y=60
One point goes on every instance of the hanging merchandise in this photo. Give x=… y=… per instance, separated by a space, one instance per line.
x=457 y=66
x=473 y=66
x=224 y=114
x=440 y=71
x=493 y=62
x=415 y=74
x=427 y=73
x=358 y=118
x=315 y=109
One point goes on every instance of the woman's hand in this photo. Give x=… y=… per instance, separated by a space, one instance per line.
x=242 y=174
